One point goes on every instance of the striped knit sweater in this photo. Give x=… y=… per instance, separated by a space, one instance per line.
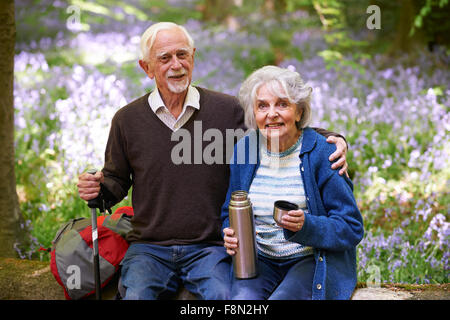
x=277 y=178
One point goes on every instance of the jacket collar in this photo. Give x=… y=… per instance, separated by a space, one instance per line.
x=309 y=140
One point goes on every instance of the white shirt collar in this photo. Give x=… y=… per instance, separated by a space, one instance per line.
x=192 y=99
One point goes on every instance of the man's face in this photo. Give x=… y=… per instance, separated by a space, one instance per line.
x=171 y=62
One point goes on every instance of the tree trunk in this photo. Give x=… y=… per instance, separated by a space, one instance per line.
x=403 y=41
x=12 y=231
x=216 y=10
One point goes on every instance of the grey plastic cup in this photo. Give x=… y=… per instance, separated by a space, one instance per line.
x=282 y=207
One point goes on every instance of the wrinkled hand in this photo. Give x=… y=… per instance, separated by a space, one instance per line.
x=230 y=242
x=341 y=151
x=89 y=185
x=293 y=221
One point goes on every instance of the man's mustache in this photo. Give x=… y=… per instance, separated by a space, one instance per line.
x=181 y=72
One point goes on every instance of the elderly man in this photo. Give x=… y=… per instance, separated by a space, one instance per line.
x=176 y=236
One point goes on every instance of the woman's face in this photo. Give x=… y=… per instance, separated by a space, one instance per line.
x=276 y=117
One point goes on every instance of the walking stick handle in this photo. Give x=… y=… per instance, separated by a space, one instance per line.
x=94 y=204
x=98 y=201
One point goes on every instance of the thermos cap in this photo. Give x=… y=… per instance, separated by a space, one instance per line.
x=281 y=208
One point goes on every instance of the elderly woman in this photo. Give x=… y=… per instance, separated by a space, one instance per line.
x=311 y=254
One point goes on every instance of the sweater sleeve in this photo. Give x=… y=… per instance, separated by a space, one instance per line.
x=117 y=170
x=224 y=216
x=341 y=228
x=232 y=185
x=239 y=123
x=326 y=134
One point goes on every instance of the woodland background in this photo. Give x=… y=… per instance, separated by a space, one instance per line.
x=67 y=66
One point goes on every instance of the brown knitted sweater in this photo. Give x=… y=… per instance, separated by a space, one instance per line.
x=173 y=203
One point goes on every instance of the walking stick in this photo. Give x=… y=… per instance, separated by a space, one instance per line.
x=94 y=204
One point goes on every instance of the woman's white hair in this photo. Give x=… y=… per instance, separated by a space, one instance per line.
x=149 y=36
x=281 y=82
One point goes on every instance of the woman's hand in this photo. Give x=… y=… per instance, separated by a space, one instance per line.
x=293 y=221
x=231 y=242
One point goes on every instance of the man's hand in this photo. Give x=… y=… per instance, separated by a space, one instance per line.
x=341 y=151
x=89 y=185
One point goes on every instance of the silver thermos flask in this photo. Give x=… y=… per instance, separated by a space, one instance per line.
x=242 y=222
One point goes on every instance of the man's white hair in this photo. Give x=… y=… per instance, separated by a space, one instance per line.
x=149 y=36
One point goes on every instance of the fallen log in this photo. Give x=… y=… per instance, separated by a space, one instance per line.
x=33 y=280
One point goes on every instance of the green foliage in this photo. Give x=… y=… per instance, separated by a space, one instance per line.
x=428 y=7
x=254 y=58
x=406 y=258
x=389 y=197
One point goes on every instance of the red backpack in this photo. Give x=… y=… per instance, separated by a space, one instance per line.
x=71 y=254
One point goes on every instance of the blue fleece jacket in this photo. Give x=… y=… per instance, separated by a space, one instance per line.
x=333 y=226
